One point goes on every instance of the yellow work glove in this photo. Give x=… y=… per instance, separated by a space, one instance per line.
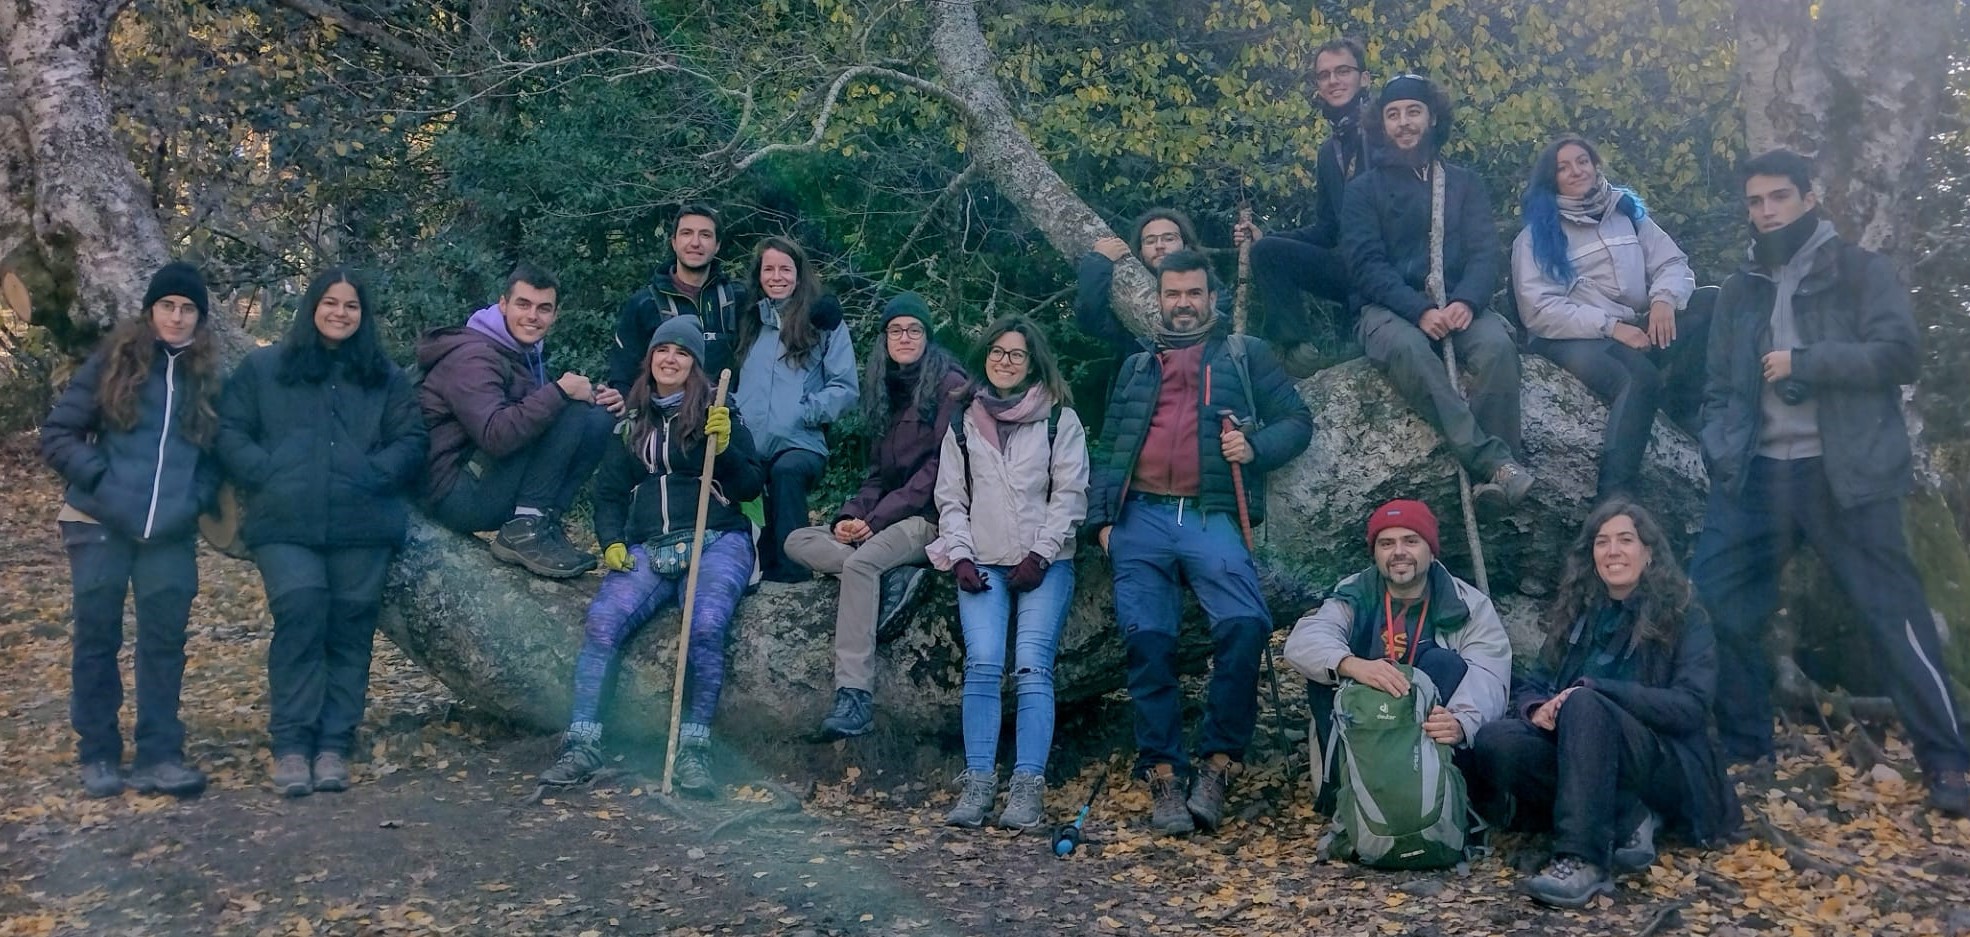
x=718 y=428
x=617 y=558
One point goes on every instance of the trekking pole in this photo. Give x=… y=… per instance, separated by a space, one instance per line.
x=691 y=591
x=1438 y=294
x=1245 y=527
x=1068 y=837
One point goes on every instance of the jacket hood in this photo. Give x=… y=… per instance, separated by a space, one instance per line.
x=438 y=343
x=492 y=324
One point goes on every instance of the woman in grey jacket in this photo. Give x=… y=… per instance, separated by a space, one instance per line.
x=1019 y=452
x=796 y=375
x=1602 y=288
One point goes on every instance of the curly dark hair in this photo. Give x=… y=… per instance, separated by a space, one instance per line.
x=132 y=348
x=1660 y=601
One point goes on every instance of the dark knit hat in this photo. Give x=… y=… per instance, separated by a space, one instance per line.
x=906 y=304
x=1410 y=515
x=685 y=332
x=178 y=278
x=1407 y=88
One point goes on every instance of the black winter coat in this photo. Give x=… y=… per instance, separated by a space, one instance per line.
x=320 y=465
x=634 y=504
x=1385 y=232
x=1331 y=175
x=148 y=482
x=718 y=307
x=1286 y=427
x=1853 y=314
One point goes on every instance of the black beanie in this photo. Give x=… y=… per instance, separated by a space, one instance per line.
x=178 y=278
x=1407 y=88
x=906 y=305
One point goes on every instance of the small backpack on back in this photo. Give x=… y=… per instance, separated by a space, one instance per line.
x=1400 y=803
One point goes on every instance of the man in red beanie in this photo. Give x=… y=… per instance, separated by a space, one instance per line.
x=1406 y=609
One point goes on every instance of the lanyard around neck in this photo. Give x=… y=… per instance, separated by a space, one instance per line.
x=1389 y=623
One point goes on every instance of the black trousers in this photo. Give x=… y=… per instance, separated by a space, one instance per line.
x=325 y=603
x=789 y=478
x=1586 y=780
x=545 y=476
x=104 y=566
x=1285 y=271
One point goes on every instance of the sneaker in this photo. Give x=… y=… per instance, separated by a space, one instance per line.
x=854 y=714
x=1025 y=802
x=1167 y=813
x=1508 y=486
x=102 y=779
x=168 y=777
x=692 y=773
x=331 y=772
x=537 y=543
x=899 y=587
x=1569 y=882
x=578 y=762
x=291 y=777
x=1207 y=792
x=980 y=791
x=1949 y=794
x=1638 y=851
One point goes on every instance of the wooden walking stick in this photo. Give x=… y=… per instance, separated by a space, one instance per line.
x=1438 y=295
x=691 y=591
x=1239 y=315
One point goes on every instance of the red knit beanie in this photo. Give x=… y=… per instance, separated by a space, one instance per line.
x=1412 y=515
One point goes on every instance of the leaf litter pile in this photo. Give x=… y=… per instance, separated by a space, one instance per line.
x=438 y=835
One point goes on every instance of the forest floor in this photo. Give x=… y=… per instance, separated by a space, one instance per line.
x=437 y=836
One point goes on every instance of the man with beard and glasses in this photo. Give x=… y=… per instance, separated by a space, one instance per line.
x=693 y=284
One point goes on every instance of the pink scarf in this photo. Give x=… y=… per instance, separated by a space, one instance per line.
x=989 y=410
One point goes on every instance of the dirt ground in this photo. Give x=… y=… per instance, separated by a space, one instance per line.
x=438 y=837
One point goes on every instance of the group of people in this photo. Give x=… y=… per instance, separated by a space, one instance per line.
x=981 y=467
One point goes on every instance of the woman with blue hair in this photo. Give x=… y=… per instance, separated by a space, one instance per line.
x=1603 y=290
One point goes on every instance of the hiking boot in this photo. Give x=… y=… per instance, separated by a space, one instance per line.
x=578 y=762
x=1025 y=802
x=537 y=543
x=980 y=791
x=1949 y=794
x=899 y=588
x=102 y=779
x=1508 y=486
x=291 y=777
x=1207 y=792
x=1167 y=813
x=692 y=773
x=1638 y=851
x=168 y=777
x=1569 y=882
x=1302 y=360
x=331 y=772
x=854 y=714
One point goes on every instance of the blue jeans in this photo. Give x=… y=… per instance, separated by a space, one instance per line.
x=985 y=617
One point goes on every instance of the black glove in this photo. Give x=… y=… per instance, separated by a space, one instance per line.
x=1027 y=575
x=969 y=578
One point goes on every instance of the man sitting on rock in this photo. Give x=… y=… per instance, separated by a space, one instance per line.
x=1405 y=609
x=1186 y=424
x=510 y=449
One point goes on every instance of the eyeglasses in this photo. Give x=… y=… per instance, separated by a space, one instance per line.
x=1173 y=237
x=904 y=331
x=1010 y=355
x=1343 y=72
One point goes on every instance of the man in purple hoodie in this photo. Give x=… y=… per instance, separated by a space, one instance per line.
x=510 y=449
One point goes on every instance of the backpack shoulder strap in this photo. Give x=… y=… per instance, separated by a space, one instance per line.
x=1235 y=343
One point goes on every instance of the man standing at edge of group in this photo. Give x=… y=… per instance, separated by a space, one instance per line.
x=692 y=284
x=1803 y=438
x=1164 y=505
x=1286 y=264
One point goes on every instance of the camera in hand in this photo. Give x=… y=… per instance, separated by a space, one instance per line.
x=1793 y=391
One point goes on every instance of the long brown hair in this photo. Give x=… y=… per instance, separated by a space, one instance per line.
x=1042 y=367
x=1660 y=600
x=132 y=350
x=690 y=420
x=797 y=333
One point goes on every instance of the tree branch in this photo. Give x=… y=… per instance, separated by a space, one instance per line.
x=833 y=98
x=375 y=35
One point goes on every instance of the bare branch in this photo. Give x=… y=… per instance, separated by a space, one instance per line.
x=833 y=98
x=342 y=19
x=956 y=185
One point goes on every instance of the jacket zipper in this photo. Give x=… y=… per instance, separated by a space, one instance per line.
x=163 y=438
x=663 y=480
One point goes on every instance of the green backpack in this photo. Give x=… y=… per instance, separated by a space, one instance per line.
x=1400 y=804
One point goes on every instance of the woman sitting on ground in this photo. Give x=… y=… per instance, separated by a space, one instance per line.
x=797 y=375
x=646 y=504
x=1602 y=287
x=324 y=438
x=1609 y=740
x=1020 y=453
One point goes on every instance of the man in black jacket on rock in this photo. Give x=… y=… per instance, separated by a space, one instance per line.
x=1803 y=438
x=1386 y=229
x=693 y=284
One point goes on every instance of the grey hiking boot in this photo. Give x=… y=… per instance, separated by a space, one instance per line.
x=1569 y=882
x=102 y=779
x=537 y=543
x=168 y=777
x=1949 y=793
x=1638 y=851
x=331 y=772
x=854 y=713
x=692 y=773
x=291 y=777
x=1167 y=813
x=1207 y=792
x=578 y=762
x=1508 y=486
x=899 y=588
x=1302 y=360
x=981 y=790
x=1025 y=802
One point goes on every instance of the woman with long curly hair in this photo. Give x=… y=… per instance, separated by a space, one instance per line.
x=1609 y=733
x=132 y=435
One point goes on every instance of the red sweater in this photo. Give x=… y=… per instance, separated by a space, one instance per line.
x=1168 y=463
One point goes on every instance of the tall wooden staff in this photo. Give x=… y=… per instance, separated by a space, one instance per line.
x=691 y=591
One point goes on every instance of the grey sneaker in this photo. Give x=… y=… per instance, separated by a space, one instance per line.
x=980 y=791
x=899 y=589
x=537 y=543
x=291 y=777
x=102 y=779
x=1207 y=792
x=1025 y=802
x=1508 y=486
x=854 y=713
x=331 y=772
x=578 y=762
x=692 y=773
x=1569 y=882
x=168 y=777
x=1167 y=813
x=1949 y=793
x=1638 y=851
